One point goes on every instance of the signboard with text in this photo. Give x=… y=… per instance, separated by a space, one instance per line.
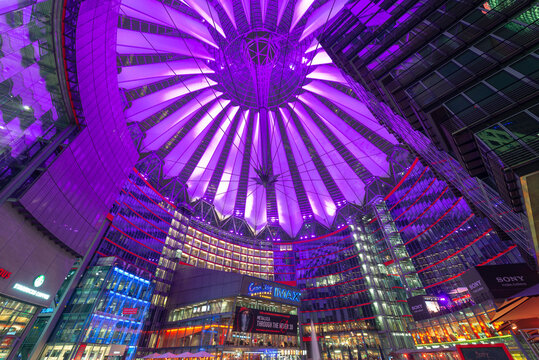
x=260 y=321
x=484 y=352
x=4 y=274
x=424 y=306
x=498 y=281
x=129 y=311
x=271 y=291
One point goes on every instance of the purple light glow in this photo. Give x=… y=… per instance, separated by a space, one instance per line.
x=323 y=207
x=158 y=135
x=173 y=92
x=167 y=16
x=176 y=160
x=352 y=106
x=132 y=42
x=199 y=180
x=328 y=73
x=235 y=98
x=139 y=75
x=322 y=15
x=301 y=8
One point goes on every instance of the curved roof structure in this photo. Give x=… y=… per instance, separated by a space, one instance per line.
x=241 y=104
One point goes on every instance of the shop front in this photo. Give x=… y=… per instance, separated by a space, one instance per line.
x=250 y=320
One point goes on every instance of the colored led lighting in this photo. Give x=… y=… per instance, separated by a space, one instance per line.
x=440 y=240
x=402 y=180
x=424 y=211
x=457 y=252
x=410 y=189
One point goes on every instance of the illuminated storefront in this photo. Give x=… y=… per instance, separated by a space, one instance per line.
x=14 y=317
x=105 y=315
x=467 y=326
x=229 y=315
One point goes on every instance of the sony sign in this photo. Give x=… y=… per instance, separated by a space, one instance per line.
x=498 y=281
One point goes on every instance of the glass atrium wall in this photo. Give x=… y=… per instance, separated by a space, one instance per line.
x=31 y=105
x=108 y=307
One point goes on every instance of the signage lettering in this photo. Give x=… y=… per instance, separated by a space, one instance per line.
x=474 y=285
x=260 y=321
x=29 y=291
x=260 y=290
x=130 y=311
x=287 y=294
x=268 y=291
x=4 y=274
x=507 y=279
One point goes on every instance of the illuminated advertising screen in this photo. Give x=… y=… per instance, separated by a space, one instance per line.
x=424 y=307
x=267 y=322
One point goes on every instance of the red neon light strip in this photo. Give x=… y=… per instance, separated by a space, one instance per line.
x=436 y=222
x=129 y=262
x=375 y=231
x=424 y=211
x=336 y=284
x=65 y=64
x=144 y=218
x=403 y=178
x=335 y=296
x=137 y=200
x=339 y=308
x=154 y=190
x=130 y=252
x=482 y=264
x=135 y=240
x=457 y=252
x=410 y=189
x=316 y=238
x=149 y=198
x=274 y=314
x=497 y=256
x=442 y=239
x=144 y=232
x=416 y=200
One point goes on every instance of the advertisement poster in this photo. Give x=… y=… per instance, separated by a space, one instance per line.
x=260 y=321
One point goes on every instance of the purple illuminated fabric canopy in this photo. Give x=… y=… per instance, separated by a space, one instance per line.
x=240 y=103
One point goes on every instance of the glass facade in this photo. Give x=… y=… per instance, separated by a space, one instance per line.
x=467 y=326
x=357 y=309
x=455 y=71
x=108 y=307
x=269 y=136
x=209 y=325
x=32 y=108
x=14 y=319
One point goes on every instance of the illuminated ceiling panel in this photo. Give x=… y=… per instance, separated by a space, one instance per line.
x=243 y=106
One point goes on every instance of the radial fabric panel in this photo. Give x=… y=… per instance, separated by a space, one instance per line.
x=244 y=107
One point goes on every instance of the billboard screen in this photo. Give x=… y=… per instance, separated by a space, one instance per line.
x=260 y=321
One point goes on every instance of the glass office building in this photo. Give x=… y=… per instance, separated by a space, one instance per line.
x=105 y=315
x=361 y=156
